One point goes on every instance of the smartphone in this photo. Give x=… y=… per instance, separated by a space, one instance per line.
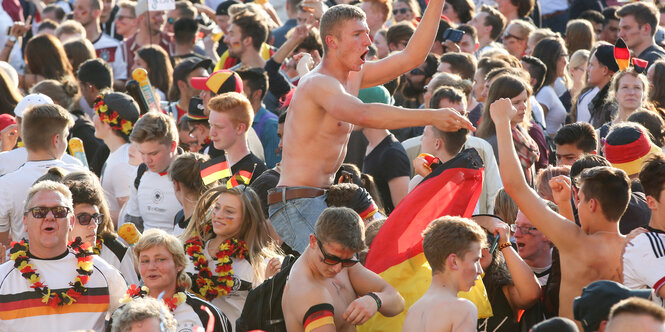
x=454 y=35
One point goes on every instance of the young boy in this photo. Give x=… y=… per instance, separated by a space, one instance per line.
x=452 y=246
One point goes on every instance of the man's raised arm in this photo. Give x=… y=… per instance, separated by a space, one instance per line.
x=387 y=69
x=562 y=232
x=348 y=108
x=364 y=282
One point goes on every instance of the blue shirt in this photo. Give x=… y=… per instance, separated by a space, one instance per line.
x=265 y=125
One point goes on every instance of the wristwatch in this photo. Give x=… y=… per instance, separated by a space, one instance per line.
x=12 y=39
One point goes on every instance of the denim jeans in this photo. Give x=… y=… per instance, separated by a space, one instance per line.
x=294 y=219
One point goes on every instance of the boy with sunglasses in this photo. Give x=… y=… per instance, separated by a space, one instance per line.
x=452 y=246
x=327 y=290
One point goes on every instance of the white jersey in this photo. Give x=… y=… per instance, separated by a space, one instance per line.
x=644 y=262
x=122 y=258
x=117 y=176
x=110 y=50
x=13 y=159
x=190 y=315
x=243 y=275
x=14 y=189
x=21 y=308
x=154 y=202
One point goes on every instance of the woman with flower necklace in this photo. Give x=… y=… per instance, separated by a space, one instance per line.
x=94 y=225
x=229 y=248
x=162 y=263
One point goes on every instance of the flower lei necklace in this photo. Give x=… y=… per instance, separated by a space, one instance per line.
x=97 y=249
x=205 y=284
x=19 y=254
x=134 y=292
x=112 y=118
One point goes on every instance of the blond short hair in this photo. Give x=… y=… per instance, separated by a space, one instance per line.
x=157 y=237
x=70 y=27
x=141 y=309
x=450 y=235
x=235 y=105
x=40 y=123
x=48 y=185
x=155 y=126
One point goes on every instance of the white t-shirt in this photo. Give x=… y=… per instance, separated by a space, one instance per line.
x=12 y=160
x=122 y=258
x=105 y=288
x=109 y=49
x=188 y=315
x=154 y=201
x=231 y=304
x=551 y=6
x=583 y=113
x=644 y=262
x=14 y=189
x=117 y=176
x=556 y=115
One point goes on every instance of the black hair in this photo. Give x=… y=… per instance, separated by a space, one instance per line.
x=96 y=72
x=255 y=79
x=536 y=69
x=185 y=30
x=582 y=134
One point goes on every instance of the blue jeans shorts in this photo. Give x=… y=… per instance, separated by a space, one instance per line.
x=294 y=219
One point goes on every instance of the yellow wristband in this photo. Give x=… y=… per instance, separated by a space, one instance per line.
x=505 y=245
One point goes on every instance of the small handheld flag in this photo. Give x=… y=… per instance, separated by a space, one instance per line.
x=621 y=54
x=215 y=169
x=243 y=177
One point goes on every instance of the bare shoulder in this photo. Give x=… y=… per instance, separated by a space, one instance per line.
x=302 y=292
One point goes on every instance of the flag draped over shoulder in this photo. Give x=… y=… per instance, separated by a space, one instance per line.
x=397 y=254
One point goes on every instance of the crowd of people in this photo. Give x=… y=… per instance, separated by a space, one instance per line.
x=274 y=142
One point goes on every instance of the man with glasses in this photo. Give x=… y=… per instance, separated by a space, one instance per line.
x=515 y=37
x=62 y=297
x=150 y=31
x=327 y=289
x=534 y=247
x=125 y=20
x=44 y=132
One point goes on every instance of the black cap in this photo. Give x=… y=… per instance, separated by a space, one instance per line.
x=195 y=110
x=593 y=306
x=223 y=8
x=187 y=66
x=605 y=55
x=555 y=324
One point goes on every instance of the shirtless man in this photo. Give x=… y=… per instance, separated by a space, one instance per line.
x=324 y=109
x=327 y=290
x=590 y=253
x=455 y=268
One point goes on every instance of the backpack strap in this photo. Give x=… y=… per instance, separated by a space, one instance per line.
x=139 y=174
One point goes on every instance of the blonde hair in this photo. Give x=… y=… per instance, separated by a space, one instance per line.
x=614 y=85
x=62 y=93
x=141 y=309
x=49 y=185
x=504 y=207
x=450 y=235
x=235 y=105
x=254 y=229
x=41 y=123
x=70 y=27
x=157 y=237
x=155 y=126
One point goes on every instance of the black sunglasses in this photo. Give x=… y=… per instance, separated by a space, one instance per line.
x=334 y=260
x=41 y=212
x=401 y=11
x=85 y=218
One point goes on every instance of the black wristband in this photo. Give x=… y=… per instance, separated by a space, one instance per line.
x=377 y=299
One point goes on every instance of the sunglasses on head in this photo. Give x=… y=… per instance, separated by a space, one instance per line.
x=400 y=11
x=40 y=212
x=85 y=218
x=334 y=260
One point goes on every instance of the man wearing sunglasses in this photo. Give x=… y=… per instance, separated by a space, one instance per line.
x=327 y=289
x=48 y=217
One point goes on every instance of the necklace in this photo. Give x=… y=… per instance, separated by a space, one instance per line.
x=98 y=246
x=19 y=254
x=205 y=284
x=134 y=292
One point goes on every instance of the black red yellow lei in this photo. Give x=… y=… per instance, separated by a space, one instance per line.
x=134 y=292
x=204 y=283
x=112 y=118
x=97 y=249
x=19 y=254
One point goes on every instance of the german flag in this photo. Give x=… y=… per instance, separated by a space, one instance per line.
x=242 y=177
x=621 y=54
x=215 y=169
x=396 y=253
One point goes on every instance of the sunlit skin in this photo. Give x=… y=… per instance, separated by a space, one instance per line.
x=48 y=236
x=87 y=233
x=151 y=324
x=630 y=94
x=235 y=41
x=156 y=156
x=567 y=154
x=158 y=270
x=467 y=44
x=401 y=6
x=532 y=245
x=636 y=36
x=227 y=216
x=223 y=132
x=381 y=45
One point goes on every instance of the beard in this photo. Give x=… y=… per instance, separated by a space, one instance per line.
x=413 y=90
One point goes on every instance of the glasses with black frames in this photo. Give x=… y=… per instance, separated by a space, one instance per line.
x=334 y=260
x=41 y=212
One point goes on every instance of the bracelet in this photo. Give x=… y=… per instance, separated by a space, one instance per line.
x=505 y=245
x=377 y=299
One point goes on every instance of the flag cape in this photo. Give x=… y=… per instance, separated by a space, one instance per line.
x=397 y=254
x=215 y=169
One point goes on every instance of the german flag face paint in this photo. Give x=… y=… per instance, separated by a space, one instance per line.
x=319 y=315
